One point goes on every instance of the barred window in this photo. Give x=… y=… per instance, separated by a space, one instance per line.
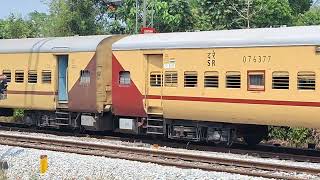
x=7 y=73
x=306 y=80
x=233 y=79
x=256 y=81
x=46 y=77
x=19 y=76
x=84 y=77
x=280 y=80
x=32 y=76
x=211 y=79
x=155 y=79
x=171 y=78
x=190 y=79
x=124 y=78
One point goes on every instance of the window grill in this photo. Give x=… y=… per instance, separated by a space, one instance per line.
x=19 y=76
x=84 y=77
x=46 y=77
x=155 y=79
x=211 y=79
x=124 y=78
x=280 y=80
x=171 y=78
x=233 y=79
x=306 y=81
x=190 y=79
x=7 y=73
x=32 y=76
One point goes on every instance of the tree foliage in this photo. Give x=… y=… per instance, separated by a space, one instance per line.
x=300 y=6
x=166 y=15
x=311 y=17
x=74 y=17
x=218 y=14
x=86 y=17
x=274 y=13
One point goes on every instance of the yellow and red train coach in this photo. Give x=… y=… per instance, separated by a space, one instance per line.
x=211 y=84
x=201 y=86
x=51 y=77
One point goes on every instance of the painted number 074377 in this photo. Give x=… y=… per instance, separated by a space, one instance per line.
x=256 y=59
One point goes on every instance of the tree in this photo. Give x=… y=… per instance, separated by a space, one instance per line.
x=40 y=24
x=300 y=6
x=168 y=15
x=249 y=9
x=218 y=14
x=15 y=27
x=312 y=17
x=274 y=13
x=74 y=17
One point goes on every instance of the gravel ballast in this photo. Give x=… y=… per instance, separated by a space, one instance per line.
x=148 y=146
x=24 y=164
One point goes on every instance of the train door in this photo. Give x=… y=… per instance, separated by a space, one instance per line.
x=153 y=101
x=63 y=78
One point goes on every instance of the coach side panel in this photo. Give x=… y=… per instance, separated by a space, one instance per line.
x=213 y=85
x=236 y=101
x=34 y=80
x=31 y=80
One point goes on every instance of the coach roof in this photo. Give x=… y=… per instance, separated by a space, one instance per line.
x=284 y=36
x=52 y=45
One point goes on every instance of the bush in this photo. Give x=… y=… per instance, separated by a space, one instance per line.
x=280 y=133
x=18 y=113
x=297 y=137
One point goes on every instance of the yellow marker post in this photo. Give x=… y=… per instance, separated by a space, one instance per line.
x=155 y=146
x=43 y=164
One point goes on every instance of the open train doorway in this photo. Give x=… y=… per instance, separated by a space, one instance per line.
x=62 y=78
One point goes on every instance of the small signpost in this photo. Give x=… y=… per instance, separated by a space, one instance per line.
x=146 y=30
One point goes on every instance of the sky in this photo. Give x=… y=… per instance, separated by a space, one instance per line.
x=22 y=7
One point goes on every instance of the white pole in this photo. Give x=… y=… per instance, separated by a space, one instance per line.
x=144 y=13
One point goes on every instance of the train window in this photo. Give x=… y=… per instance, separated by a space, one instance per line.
x=190 y=79
x=306 y=81
x=211 y=79
x=171 y=78
x=233 y=79
x=155 y=79
x=46 y=77
x=256 y=80
x=32 y=76
x=19 y=76
x=124 y=78
x=84 y=77
x=7 y=73
x=280 y=80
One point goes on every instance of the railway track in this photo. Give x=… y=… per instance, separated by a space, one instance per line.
x=261 y=151
x=162 y=157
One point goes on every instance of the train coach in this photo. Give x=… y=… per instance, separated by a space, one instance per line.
x=197 y=86
x=59 y=82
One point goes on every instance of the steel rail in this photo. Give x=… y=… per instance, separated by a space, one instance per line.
x=262 y=151
x=182 y=160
